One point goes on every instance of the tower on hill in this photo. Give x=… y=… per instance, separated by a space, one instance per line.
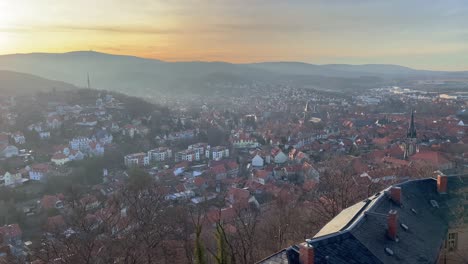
x=411 y=146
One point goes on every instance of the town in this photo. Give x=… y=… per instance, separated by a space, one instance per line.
x=265 y=169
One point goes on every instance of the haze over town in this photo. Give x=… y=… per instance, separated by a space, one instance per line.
x=225 y=132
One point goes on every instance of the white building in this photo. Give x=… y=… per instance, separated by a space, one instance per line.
x=159 y=154
x=8 y=151
x=217 y=153
x=19 y=138
x=38 y=171
x=199 y=148
x=136 y=160
x=257 y=161
x=188 y=155
x=44 y=134
x=80 y=143
x=12 y=179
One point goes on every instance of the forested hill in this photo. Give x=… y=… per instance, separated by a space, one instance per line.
x=15 y=83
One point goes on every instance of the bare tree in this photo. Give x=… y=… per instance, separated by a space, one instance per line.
x=337 y=189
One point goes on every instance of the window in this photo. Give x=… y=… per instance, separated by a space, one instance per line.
x=452 y=242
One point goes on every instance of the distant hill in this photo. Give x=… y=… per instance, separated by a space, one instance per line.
x=348 y=70
x=143 y=77
x=15 y=83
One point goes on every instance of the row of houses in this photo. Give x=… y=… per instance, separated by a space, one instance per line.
x=35 y=172
x=195 y=152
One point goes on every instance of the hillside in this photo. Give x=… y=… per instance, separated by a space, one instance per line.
x=15 y=83
x=146 y=77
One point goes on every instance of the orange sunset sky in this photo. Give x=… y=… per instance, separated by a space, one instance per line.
x=405 y=32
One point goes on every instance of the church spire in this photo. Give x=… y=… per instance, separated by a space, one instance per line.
x=307 y=108
x=411 y=129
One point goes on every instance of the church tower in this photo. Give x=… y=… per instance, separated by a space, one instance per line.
x=307 y=112
x=411 y=146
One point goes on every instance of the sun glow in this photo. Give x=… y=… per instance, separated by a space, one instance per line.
x=3 y=40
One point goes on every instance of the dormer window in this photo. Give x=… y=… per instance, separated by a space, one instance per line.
x=451 y=244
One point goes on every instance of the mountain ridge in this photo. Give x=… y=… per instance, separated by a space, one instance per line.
x=146 y=77
x=92 y=52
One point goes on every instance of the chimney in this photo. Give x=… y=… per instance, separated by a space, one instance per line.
x=306 y=253
x=395 y=194
x=441 y=183
x=392 y=221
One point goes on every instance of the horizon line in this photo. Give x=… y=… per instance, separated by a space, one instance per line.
x=227 y=62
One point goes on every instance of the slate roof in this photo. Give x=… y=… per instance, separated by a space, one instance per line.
x=359 y=233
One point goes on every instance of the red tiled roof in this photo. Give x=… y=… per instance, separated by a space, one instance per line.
x=238 y=195
x=275 y=151
x=11 y=231
x=225 y=215
x=59 y=156
x=219 y=169
x=309 y=185
x=199 y=181
x=4 y=137
x=432 y=157
x=49 y=201
x=261 y=174
x=88 y=199
x=232 y=165
x=55 y=222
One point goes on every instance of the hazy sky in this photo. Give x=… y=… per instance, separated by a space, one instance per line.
x=418 y=33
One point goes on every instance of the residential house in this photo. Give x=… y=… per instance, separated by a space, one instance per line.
x=237 y=197
x=103 y=137
x=129 y=130
x=55 y=223
x=38 y=171
x=18 y=137
x=160 y=154
x=188 y=155
x=12 y=178
x=434 y=158
x=36 y=127
x=44 y=134
x=278 y=156
x=136 y=160
x=244 y=141
x=261 y=176
x=216 y=153
x=199 y=148
x=232 y=168
x=52 y=201
x=4 y=139
x=54 y=121
x=59 y=159
x=95 y=149
x=80 y=143
x=88 y=121
x=181 y=135
x=8 y=151
x=455 y=248
x=75 y=155
x=389 y=227
x=90 y=202
x=115 y=127
x=257 y=161
x=200 y=182
x=11 y=234
x=219 y=171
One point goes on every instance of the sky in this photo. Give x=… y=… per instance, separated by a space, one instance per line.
x=416 y=33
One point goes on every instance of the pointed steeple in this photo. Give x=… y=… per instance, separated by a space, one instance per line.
x=411 y=129
x=307 y=107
